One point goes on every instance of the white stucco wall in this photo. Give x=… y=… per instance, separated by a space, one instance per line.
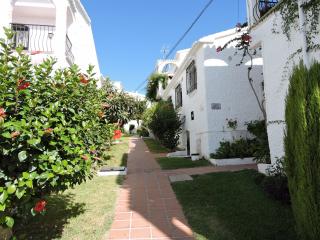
x=278 y=60
x=228 y=85
x=219 y=80
x=68 y=17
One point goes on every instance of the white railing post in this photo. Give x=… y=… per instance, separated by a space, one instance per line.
x=61 y=32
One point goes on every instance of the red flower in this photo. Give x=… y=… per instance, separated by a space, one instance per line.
x=48 y=131
x=2 y=113
x=219 y=49
x=40 y=206
x=85 y=157
x=35 y=52
x=15 y=134
x=23 y=86
x=84 y=79
x=117 y=134
x=246 y=38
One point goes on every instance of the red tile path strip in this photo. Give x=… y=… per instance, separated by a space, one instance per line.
x=147 y=207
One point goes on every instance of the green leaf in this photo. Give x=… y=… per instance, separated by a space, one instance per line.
x=22 y=156
x=11 y=189
x=20 y=193
x=6 y=135
x=29 y=184
x=2 y=207
x=34 y=141
x=9 y=222
x=3 y=197
x=25 y=175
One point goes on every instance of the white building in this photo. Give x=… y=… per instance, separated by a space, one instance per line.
x=135 y=124
x=57 y=28
x=207 y=88
x=279 y=56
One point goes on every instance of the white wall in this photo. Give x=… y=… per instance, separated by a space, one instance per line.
x=71 y=20
x=278 y=64
x=228 y=85
x=219 y=80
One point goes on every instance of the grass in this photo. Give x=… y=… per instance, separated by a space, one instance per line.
x=176 y=163
x=230 y=206
x=117 y=155
x=154 y=146
x=85 y=212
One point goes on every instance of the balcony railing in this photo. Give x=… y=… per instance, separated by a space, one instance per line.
x=262 y=7
x=34 y=37
x=69 y=54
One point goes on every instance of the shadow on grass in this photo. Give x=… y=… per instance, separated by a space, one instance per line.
x=61 y=208
x=228 y=206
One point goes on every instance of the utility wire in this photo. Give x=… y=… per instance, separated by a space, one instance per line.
x=182 y=37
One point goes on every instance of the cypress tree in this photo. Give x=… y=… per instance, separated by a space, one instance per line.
x=302 y=148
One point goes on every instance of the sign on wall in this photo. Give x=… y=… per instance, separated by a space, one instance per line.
x=216 y=106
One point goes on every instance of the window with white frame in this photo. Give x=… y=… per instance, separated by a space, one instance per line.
x=191 y=77
x=178 y=96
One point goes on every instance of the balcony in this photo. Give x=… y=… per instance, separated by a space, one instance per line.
x=261 y=7
x=34 y=38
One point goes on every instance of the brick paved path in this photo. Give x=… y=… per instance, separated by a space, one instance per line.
x=147 y=207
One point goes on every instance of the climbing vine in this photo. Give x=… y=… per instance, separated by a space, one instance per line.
x=153 y=85
x=243 y=45
x=289 y=11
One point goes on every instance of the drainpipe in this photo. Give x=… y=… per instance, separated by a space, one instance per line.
x=302 y=26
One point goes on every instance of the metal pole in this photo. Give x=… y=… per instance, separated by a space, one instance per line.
x=302 y=26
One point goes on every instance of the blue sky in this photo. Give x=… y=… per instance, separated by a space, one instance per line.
x=129 y=34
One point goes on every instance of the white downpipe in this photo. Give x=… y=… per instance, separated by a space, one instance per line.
x=302 y=26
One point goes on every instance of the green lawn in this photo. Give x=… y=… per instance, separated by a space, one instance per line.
x=230 y=206
x=83 y=213
x=117 y=155
x=175 y=163
x=154 y=146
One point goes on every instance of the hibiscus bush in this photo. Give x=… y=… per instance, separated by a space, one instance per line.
x=52 y=130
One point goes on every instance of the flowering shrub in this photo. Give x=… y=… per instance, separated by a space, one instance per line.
x=50 y=131
x=119 y=107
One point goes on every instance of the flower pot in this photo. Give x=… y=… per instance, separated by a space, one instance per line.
x=195 y=156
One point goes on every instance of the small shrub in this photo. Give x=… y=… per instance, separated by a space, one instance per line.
x=277 y=188
x=260 y=149
x=143 y=132
x=164 y=122
x=241 y=148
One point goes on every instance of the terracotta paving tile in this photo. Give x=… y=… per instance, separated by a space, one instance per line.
x=140 y=223
x=147 y=207
x=119 y=234
x=159 y=233
x=120 y=224
x=122 y=216
x=138 y=233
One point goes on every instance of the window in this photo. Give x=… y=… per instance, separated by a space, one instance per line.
x=178 y=96
x=191 y=77
x=21 y=36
